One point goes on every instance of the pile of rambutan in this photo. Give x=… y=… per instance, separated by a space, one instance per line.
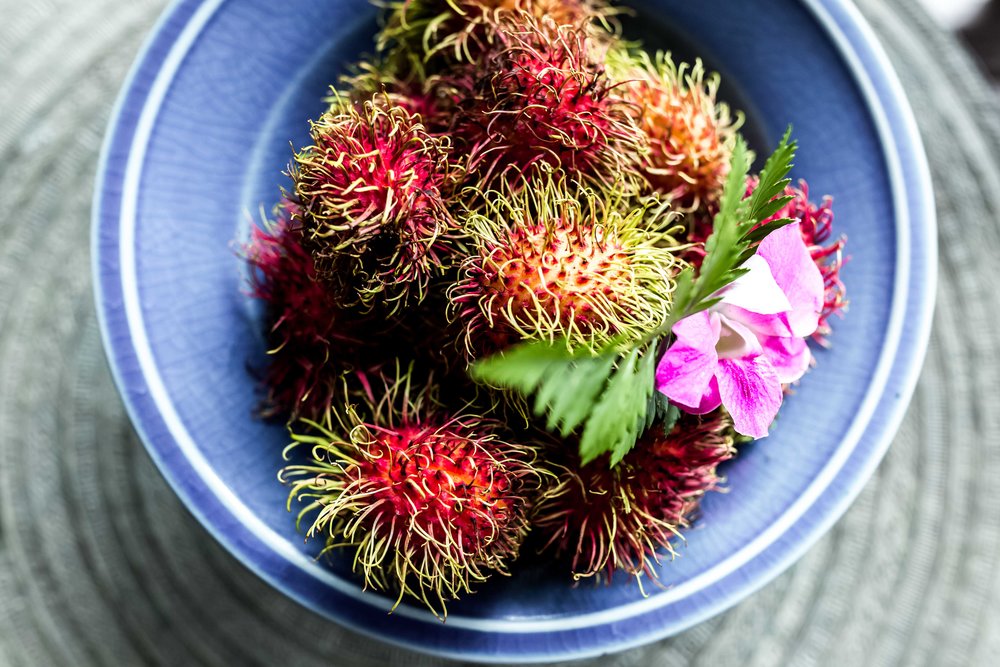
x=525 y=294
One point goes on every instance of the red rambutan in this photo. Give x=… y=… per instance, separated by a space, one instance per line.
x=312 y=340
x=690 y=133
x=446 y=32
x=394 y=81
x=431 y=503
x=563 y=261
x=538 y=98
x=622 y=518
x=372 y=211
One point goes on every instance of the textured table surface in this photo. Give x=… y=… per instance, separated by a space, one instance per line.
x=100 y=564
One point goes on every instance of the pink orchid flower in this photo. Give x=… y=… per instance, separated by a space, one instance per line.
x=740 y=352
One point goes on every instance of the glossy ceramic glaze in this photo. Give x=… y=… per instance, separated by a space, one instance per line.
x=196 y=151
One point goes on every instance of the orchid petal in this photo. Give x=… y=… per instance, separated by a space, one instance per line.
x=751 y=392
x=757 y=290
x=795 y=272
x=700 y=330
x=790 y=357
x=687 y=368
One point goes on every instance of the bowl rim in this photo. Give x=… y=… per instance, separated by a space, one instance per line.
x=113 y=222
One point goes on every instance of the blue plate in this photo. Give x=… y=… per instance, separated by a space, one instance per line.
x=195 y=151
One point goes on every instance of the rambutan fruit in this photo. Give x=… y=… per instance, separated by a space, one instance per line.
x=816 y=226
x=560 y=260
x=371 y=193
x=439 y=33
x=538 y=100
x=624 y=518
x=312 y=340
x=690 y=134
x=431 y=502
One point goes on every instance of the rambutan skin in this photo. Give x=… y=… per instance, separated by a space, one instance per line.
x=371 y=194
x=689 y=133
x=433 y=503
x=538 y=101
x=609 y=519
x=559 y=260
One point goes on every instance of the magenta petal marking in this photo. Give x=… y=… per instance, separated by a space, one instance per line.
x=751 y=392
x=790 y=357
x=709 y=401
x=797 y=275
x=686 y=370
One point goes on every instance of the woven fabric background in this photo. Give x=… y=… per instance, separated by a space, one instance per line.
x=101 y=565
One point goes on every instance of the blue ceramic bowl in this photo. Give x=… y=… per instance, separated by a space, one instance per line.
x=195 y=151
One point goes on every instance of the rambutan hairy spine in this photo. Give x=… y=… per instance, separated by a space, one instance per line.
x=393 y=82
x=441 y=33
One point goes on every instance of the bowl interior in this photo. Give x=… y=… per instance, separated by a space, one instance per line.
x=252 y=76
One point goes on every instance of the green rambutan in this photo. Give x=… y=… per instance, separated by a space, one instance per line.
x=431 y=502
x=371 y=190
x=560 y=260
x=690 y=134
x=610 y=519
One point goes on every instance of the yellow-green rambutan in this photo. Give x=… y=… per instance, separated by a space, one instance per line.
x=562 y=260
x=690 y=133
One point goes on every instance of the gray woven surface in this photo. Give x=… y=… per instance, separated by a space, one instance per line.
x=99 y=563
